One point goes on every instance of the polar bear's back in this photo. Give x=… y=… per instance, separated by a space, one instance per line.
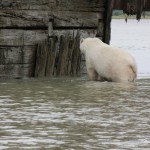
x=102 y=51
x=108 y=60
x=110 y=63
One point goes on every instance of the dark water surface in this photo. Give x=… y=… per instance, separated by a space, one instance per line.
x=74 y=114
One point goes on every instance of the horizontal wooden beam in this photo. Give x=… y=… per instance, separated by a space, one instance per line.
x=16 y=71
x=40 y=19
x=21 y=37
x=17 y=55
x=73 y=5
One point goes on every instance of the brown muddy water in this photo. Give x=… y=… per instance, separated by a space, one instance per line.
x=74 y=114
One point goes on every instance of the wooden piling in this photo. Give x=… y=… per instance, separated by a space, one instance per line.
x=75 y=55
x=51 y=56
x=41 y=55
x=66 y=61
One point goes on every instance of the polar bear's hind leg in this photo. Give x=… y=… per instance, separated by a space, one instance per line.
x=92 y=74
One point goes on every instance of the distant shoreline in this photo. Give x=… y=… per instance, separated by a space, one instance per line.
x=129 y=17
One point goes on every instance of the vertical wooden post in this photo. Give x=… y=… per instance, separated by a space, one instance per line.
x=100 y=29
x=50 y=28
x=76 y=56
x=62 y=63
x=51 y=54
x=2 y=57
x=107 y=20
x=41 y=58
x=70 y=55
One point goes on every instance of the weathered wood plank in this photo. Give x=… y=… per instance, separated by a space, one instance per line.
x=15 y=71
x=81 y=5
x=83 y=69
x=12 y=37
x=62 y=57
x=17 y=55
x=76 y=19
x=68 y=62
x=41 y=59
x=45 y=58
x=100 y=29
x=40 y=19
x=28 y=4
x=76 y=56
x=51 y=57
x=83 y=32
x=78 y=5
x=23 y=18
x=70 y=55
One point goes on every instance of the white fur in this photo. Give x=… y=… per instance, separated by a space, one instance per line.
x=105 y=62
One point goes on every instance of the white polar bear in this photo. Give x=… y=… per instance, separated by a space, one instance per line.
x=107 y=63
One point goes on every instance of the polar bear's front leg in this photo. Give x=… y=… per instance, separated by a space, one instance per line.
x=92 y=74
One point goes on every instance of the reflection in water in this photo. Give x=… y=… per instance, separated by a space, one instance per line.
x=73 y=113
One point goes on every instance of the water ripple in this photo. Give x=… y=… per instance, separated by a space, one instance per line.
x=74 y=114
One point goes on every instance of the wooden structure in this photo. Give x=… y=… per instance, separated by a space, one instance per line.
x=41 y=37
x=132 y=7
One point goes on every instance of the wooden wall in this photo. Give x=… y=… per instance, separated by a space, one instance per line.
x=35 y=30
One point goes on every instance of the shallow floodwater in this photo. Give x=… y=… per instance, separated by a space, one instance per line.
x=73 y=113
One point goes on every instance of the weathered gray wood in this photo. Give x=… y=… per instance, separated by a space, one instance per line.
x=76 y=56
x=12 y=37
x=76 y=19
x=50 y=27
x=81 y=5
x=23 y=18
x=83 y=69
x=83 y=32
x=25 y=24
x=15 y=71
x=17 y=55
x=41 y=59
x=37 y=19
x=27 y=4
x=27 y=39
x=51 y=53
x=63 y=55
x=70 y=53
x=78 y=5
x=100 y=29
x=51 y=57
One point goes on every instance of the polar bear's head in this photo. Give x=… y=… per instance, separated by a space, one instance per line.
x=85 y=43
